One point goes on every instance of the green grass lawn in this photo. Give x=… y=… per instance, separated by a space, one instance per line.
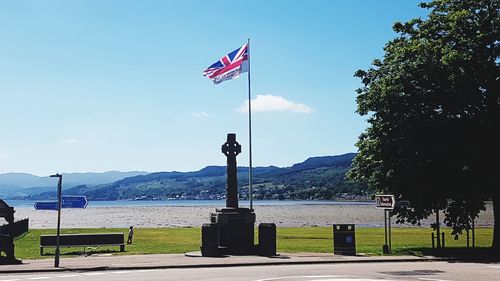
x=405 y=240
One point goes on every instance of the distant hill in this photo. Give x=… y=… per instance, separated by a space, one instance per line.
x=343 y=160
x=315 y=178
x=22 y=184
x=15 y=181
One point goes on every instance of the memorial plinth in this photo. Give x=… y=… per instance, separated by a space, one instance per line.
x=236 y=230
x=231 y=227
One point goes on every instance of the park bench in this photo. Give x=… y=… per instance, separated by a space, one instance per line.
x=83 y=240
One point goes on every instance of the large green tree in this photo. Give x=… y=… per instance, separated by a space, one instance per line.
x=433 y=107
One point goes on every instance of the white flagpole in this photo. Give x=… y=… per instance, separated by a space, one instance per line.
x=250 y=191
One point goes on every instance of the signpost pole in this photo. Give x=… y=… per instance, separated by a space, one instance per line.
x=59 y=206
x=387 y=203
x=385 y=228
x=390 y=236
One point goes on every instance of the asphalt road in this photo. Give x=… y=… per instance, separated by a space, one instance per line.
x=421 y=271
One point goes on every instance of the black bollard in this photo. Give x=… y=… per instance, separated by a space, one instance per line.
x=210 y=240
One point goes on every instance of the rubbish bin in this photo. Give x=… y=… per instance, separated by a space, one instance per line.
x=344 y=239
x=267 y=239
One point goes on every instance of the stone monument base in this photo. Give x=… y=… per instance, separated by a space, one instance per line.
x=231 y=229
x=230 y=232
x=235 y=230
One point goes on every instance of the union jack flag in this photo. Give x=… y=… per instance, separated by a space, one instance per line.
x=229 y=67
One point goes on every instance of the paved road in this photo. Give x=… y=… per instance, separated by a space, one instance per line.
x=419 y=271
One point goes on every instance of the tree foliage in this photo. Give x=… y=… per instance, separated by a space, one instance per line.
x=434 y=113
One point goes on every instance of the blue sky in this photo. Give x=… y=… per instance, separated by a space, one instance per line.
x=92 y=86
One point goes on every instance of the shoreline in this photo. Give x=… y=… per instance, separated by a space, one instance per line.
x=216 y=203
x=363 y=215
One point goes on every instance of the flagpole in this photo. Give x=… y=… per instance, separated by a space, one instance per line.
x=250 y=190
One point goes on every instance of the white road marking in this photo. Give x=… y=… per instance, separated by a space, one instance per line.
x=330 y=278
x=94 y=273
x=17 y=277
x=432 y=279
x=120 y=272
x=67 y=276
x=294 y=277
x=494 y=266
x=323 y=276
x=349 y=279
x=276 y=278
x=39 y=278
x=147 y=270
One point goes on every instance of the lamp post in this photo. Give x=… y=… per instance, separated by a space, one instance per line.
x=59 y=206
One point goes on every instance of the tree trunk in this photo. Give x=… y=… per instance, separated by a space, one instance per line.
x=496 y=214
x=438 y=230
x=493 y=120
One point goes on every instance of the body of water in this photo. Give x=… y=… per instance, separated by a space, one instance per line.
x=179 y=203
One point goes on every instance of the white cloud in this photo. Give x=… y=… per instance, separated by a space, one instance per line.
x=71 y=141
x=201 y=114
x=263 y=103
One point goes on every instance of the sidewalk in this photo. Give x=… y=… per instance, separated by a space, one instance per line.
x=121 y=262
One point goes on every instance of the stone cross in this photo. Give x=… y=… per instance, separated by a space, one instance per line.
x=231 y=149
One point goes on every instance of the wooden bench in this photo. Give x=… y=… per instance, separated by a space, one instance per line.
x=83 y=240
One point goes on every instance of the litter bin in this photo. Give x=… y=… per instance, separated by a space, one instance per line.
x=267 y=239
x=344 y=239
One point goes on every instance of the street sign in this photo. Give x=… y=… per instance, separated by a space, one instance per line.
x=74 y=202
x=52 y=205
x=67 y=202
x=402 y=204
x=385 y=201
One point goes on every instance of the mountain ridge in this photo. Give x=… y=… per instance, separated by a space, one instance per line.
x=315 y=178
x=17 y=184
